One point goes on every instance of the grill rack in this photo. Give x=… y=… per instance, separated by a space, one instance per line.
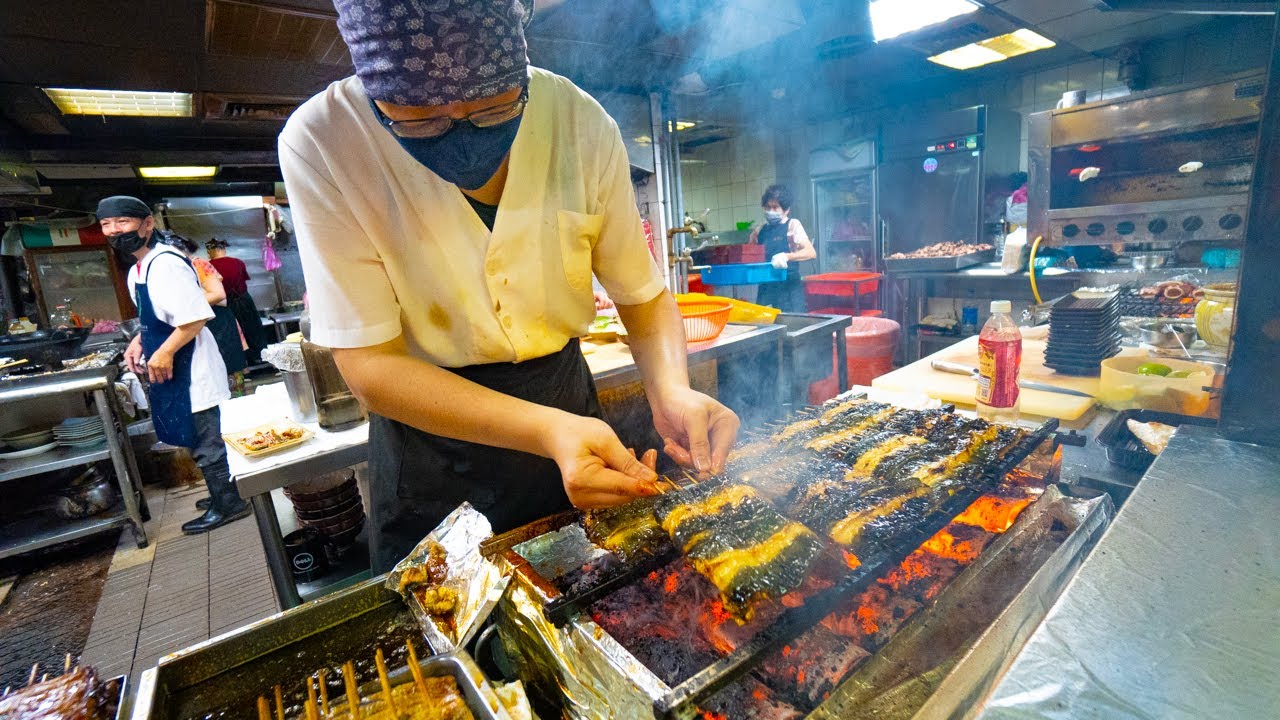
x=680 y=701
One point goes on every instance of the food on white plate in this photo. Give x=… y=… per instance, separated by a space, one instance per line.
x=942 y=250
x=1154 y=436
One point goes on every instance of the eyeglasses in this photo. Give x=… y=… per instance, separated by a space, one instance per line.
x=437 y=126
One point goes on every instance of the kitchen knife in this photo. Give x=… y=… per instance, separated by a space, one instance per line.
x=958 y=369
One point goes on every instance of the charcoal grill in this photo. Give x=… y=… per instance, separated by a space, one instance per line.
x=572 y=660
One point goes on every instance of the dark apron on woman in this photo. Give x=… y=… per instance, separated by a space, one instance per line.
x=171 y=399
x=246 y=312
x=227 y=334
x=788 y=295
x=418 y=478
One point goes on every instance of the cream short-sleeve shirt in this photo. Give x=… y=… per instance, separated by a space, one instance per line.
x=389 y=248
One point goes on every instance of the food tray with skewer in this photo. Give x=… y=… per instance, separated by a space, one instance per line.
x=224 y=676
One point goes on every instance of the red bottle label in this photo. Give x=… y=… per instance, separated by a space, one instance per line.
x=998 y=362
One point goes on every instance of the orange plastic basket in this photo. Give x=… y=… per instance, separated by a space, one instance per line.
x=704 y=320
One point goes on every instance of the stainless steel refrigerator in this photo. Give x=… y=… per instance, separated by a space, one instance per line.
x=945 y=178
x=844 y=205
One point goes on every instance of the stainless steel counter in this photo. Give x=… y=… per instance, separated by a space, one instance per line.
x=1176 y=613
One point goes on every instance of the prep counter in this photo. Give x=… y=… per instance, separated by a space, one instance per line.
x=1176 y=613
x=741 y=366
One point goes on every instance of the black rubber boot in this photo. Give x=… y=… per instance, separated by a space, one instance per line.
x=225 y=503
x=204 y=503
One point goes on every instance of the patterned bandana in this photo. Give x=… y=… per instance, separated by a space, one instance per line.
x=435 y=52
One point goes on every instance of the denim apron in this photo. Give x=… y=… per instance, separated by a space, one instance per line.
x=170 y=400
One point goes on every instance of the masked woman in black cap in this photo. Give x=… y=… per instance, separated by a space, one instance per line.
x=451 y=204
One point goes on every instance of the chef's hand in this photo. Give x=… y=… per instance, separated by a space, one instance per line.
x=160 y=366
x=602 y=300
x=597 y=470
x=133 y=356
x=779 y=261
x=697 y=431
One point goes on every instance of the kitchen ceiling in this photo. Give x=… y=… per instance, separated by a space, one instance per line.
x=249 y=62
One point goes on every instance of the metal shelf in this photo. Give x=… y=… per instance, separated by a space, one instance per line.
x=40 y=531
x=56 y=459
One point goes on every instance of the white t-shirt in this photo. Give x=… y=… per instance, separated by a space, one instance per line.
x=388 y=247
x=178 y=299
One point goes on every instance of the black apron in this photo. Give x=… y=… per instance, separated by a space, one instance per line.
x=246 y=312
x=170 y=400
x=418 y=478
x=227 y=334
x=788 y=295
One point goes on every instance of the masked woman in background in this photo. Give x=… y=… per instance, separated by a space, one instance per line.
x=235 y=278
x=223 y=325
x=786 y=244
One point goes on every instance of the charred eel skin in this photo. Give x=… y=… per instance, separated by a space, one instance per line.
x=735 y=539
x=628 y=531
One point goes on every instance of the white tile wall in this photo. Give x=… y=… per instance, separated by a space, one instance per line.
x=735 y=174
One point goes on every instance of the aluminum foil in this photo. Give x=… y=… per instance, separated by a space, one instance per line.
x=1176 y=613
x=479 y=582
x=286 y=356
x=596 y=678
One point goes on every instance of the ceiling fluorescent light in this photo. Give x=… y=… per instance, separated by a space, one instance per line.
x=178 y=172
x=891 y=18
x=126 y=103
x=1002 y=47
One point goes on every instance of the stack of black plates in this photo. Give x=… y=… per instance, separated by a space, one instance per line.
x=1082 y=333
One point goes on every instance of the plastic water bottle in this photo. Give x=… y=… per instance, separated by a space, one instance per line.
x=999 y=357
x=969 y=315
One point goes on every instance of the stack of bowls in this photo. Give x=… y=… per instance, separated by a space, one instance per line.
x=331 y=504
x=29 y=438
x=80 y=432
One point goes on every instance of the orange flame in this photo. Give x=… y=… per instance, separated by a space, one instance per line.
x=851 y=560
x=671 y=583
x=708 y=715
x=993 y=513
x=946 y=545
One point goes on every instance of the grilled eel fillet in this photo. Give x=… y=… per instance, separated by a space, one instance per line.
x=795 y=435
x=735 y=539
x=629 y=531
x=895 y=479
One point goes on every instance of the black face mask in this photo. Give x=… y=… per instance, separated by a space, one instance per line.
x=128 y=242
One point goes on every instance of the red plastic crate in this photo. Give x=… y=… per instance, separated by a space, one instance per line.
x=734 y=254
x=842 y=283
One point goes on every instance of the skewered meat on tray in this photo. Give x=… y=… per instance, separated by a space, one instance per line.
x=76 y=695
x=857 y=473
x=739 y=542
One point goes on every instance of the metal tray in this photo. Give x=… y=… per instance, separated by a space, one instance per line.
x=481 y=700
x=1124 y=449
x=223 y=676
x=942 y=264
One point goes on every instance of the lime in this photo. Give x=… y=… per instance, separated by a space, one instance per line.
x=1179 y=374
x=1154 y=369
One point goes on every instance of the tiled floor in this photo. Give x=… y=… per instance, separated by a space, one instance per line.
x=178 y=591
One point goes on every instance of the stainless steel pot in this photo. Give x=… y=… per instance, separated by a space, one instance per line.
x=1166 y=333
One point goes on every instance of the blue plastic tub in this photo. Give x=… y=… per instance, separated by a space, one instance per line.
x=742 y=274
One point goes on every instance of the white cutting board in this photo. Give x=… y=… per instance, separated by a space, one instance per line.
x=959 y=389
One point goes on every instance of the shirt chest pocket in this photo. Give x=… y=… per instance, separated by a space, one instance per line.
x=578 y=234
